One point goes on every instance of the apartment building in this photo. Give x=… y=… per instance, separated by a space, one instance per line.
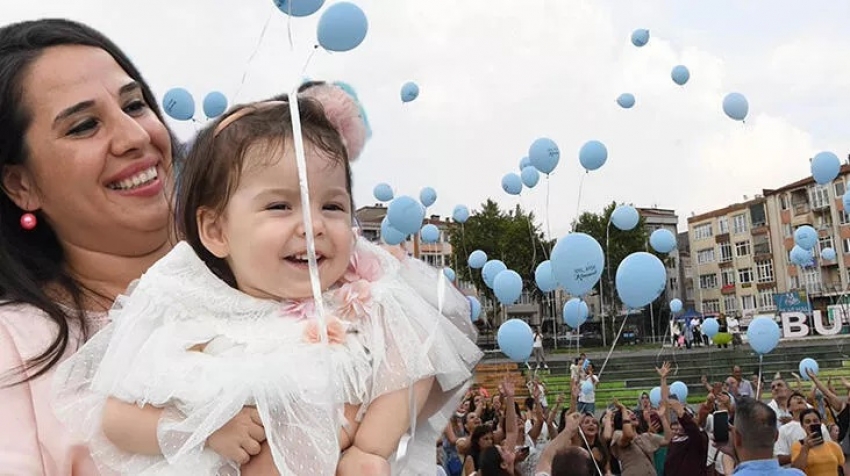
x=804 y=202
x=732 y=260
x=686 y=274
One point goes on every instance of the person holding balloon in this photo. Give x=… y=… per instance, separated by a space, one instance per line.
x=587 y=391
x=200 y=331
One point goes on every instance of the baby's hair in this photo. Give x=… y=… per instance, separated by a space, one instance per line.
x=212 y=170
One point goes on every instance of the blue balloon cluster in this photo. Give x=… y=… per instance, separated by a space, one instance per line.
x=801 y=256
x=806 y=237
x=390 y=235
x=828 y=254
x=405 y=214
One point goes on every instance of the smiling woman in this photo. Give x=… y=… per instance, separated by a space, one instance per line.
x=85 y=162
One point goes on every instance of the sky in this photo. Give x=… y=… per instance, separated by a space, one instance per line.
x=495 y=75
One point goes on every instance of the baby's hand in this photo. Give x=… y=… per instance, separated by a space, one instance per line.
x=240 y=438
x=355 y=462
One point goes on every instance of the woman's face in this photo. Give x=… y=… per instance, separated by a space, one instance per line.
x=809 y=420
x=472 y=421
x=833 y=432
x=479 y=400
x=589 y=425
x=99 y=159
x=497 y=404
x=485 y=441
x=645 y=403
x=463 y=407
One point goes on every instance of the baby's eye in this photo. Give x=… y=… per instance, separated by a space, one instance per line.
x=334 y=207
x=278 y=206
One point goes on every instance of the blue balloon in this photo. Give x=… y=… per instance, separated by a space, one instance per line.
x=299 y=8
x=680 y=75
x=680 y=390
x=808 y=364
x=801 y=257
x=587 y=387
x=763 y=334
x=512 y=184
x=806 y=237
x=641 y=278
x=530 y=176
x=477 y=259
x=450 y=274
x=383 y=192
x=515 y=340
x=409 y=92
x=342 y=27
x=544 y=155
x=474 y=308
x=735 y=106
x=179 y=104
x=575 y=312
x=460 y=214
x=390 y=235
x=524 y=162
x=215 y=103
x=662 y=240
x=676 y=305
x=640 y=37
x=710 y=327
x=593 y=155
x=825 y=167
x=828 y=254
x=428 y=196
x=429 y=233
x=544 y=277
x=626 y=100
x=490 y=270
x=625 y=217
x=655 y=396
x=406 y=214
x=577 y=262
x=507 y=286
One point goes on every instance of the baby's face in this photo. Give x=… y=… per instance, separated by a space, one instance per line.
x=264 y=228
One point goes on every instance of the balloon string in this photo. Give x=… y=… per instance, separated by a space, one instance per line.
x=289 y=27
x=587 y=445
x=614 y=344
x=548 y=222
x=253 y=54
x=309 y=58
x=580 y=187
x=758 y=386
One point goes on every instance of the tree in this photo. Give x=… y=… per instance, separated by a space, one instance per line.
x=510 y=236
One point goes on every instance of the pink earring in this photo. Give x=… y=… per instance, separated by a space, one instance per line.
x=28 y=221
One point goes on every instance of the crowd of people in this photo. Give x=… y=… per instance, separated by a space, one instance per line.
x=800 y=429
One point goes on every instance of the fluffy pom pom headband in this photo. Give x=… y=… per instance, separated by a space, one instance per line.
x=341 y=106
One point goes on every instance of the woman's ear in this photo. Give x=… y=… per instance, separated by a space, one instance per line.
x=211 y=232
x=18 y=184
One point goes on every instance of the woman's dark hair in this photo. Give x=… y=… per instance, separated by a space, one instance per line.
x=212 y=170
x=31 y=260
x=475 y=446
x=490 y=463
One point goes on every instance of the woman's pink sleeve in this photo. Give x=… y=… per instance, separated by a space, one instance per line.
x=20 y=452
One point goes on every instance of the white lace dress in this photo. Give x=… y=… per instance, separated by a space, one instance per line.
x=184 y=340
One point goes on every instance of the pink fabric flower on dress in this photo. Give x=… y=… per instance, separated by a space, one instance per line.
x=336 y=331
x=355 y=298
x=363 y=265
x=299 y=309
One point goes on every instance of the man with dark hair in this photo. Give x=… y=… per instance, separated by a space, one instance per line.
x=560 y=458
x=753 y=437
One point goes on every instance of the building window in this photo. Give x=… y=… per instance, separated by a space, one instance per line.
x=843 y=217
x=703 y=231
x=783 y=201
x=765 y=300
x=674 y=283
x=788 y=230
x=819 y=197
x=761 y=245
x=846 y=243
x=725 y=252
x=745 y=275
x=825 y=242
x=748 y=303
x=708 y=281
x=722 y=225
x=742 y=248
x=739 y=223
x=730 y=304
x=728 y=277
x=711 y=306
x=765 y=271
x=838 y=188
x=705 y=256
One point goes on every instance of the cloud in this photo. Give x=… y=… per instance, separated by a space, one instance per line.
x=495 y=75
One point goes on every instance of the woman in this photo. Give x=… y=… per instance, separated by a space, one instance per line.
x=481 y=439
x=590 y=439
x=86 y=168
x=501 y=459
x=814 y=455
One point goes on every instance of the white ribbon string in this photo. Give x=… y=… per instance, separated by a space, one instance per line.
x=301 y=163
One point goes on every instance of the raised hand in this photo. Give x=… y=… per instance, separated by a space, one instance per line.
x=664 y=370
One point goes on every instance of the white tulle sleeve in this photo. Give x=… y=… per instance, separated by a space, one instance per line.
x=418 y=330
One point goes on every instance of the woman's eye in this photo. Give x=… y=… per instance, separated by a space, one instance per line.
x=136 y=106
x=334 y=207
x=278 y=206
x=83 y=127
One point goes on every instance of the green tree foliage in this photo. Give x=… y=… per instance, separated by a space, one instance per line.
x=511 y=236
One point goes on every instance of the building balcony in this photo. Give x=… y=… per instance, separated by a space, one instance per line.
x=721 y=237
x=761 y=229
x=728 y=289
x=725 y=264
x=820 y=205
x=801 y=209
x=765 y=285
